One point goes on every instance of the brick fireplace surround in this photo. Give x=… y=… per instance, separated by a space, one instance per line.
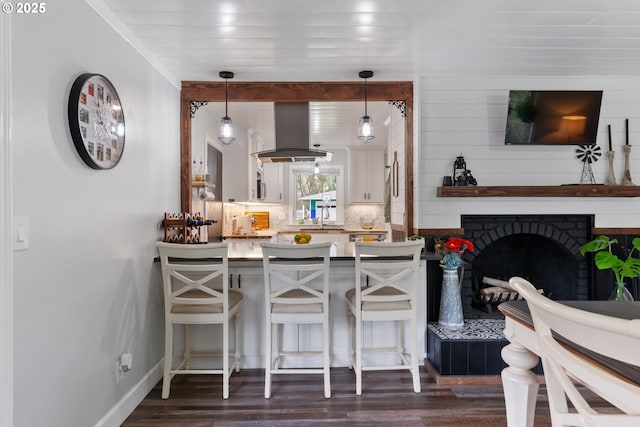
x=541 y=248
x=545 y=249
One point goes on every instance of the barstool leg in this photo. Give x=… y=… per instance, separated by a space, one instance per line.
x=414 y=355
x=399 y=341
x=327 y=359
x=225 y=359
x=267 y=363
x=168 y=359
x=350 y=332
x=358 y=361
x=238 y=344
x=187 y=346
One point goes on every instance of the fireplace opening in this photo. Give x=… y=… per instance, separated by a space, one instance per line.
x=538 y=259
x=544 y=249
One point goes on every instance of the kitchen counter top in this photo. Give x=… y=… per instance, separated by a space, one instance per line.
x=245 y=250
x=312 y=230
x=257 y=234
x=248 y=236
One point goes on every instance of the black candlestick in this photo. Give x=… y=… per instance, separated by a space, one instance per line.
x=626 y=131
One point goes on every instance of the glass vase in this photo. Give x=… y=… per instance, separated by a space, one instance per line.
x=451 y=315
x=621 y=293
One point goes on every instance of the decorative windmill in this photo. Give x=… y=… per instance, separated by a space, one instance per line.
x=588 y=154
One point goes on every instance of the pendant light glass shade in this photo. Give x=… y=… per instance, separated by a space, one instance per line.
x=226 y=135
x=366 y=132
x=365 y=129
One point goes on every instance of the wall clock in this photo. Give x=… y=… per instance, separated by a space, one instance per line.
x=96 y=121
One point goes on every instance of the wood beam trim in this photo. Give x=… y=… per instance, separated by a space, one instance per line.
x=291 y=92
x=296 y=91
x=441 y=231
x=615 y=231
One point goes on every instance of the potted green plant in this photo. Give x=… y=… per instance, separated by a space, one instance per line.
x=605 y=258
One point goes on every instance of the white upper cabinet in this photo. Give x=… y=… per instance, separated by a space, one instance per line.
x=366 y=174
x=272 y=183
x=234 y=168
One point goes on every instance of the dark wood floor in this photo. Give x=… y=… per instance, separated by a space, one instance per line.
x=297 y=400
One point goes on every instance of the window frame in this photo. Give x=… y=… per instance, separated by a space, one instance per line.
x=338 y=170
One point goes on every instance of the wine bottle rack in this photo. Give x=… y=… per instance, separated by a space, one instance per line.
x=183 y=227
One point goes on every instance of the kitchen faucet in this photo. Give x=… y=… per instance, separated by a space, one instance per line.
x=325 y=199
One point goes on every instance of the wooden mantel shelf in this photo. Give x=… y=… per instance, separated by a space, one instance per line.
x=582 y=190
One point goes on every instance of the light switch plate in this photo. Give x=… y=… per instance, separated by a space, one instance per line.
x=20 y=234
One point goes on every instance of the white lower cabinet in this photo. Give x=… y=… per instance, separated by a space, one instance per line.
x=250 y=281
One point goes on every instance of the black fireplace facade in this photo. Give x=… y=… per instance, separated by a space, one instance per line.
x=544 y=249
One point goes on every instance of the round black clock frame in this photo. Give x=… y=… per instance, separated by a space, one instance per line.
x=96 y=121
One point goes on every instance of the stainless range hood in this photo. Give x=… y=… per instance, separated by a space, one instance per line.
x=292 y=136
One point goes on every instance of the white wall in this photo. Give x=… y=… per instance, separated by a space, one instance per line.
x=468 y=115
x=87 y=288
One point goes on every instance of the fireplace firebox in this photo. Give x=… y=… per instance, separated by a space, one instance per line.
x=544 y=249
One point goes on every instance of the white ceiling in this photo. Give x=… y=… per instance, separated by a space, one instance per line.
x=302 y=40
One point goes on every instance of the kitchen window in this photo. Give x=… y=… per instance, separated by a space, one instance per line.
x=318 y=197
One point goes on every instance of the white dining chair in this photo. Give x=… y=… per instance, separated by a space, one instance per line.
x=599 y=336
x=196 y=292
x=296 y=281
x=386 y=290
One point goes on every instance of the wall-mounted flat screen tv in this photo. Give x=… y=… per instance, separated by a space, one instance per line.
x=552 y=117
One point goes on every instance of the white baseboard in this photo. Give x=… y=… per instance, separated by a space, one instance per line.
x=116 y=416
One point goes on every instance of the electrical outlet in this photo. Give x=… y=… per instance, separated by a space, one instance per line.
x=123 y=365
x=125 y=362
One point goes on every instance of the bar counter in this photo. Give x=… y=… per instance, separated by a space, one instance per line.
x=247 y=276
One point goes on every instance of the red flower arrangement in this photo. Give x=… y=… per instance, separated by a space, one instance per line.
x=455 y=247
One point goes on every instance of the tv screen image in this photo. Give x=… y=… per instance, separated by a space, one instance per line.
x=553 y=117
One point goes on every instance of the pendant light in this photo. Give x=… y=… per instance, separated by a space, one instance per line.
x=226 y=126
x=365 y=125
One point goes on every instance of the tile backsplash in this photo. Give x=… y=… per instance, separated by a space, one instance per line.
x=279 y=215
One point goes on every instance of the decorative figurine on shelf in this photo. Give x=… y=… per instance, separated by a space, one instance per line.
x=461 y=176
x=470 y=179
x=588 y=154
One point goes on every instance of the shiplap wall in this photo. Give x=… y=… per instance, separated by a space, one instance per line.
x=468 y=116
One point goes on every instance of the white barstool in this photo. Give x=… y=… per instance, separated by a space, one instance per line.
x=296 y=280
x=390 y=272
x=196 y=292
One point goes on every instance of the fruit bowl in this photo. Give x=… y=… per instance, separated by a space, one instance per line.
x=302 y=238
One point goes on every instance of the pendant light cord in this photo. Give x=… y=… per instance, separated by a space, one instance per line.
x=365 y=97
x=226 y=97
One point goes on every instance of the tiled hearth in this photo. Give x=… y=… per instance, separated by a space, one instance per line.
x=474 y=350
